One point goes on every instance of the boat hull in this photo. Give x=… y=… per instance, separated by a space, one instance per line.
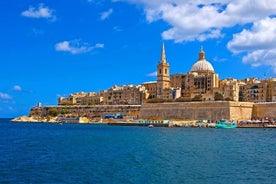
x=226 y=124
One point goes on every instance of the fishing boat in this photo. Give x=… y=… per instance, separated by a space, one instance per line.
x=226 y=124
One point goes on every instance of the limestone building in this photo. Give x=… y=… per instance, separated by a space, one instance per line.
x=254 y=90
x=125 y=94
x=200 y=81
x=81 y=98
x=229 y=89
x=163 y=75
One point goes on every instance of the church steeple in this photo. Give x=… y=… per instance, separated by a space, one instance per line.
x=163 y=74
x=163 y=55
x=201 y=54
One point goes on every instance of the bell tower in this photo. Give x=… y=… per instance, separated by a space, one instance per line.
x=163 y=74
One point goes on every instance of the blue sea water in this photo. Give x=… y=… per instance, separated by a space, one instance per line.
x=86 y=153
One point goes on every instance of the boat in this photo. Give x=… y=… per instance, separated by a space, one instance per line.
x=151 y=126
x=226 y=124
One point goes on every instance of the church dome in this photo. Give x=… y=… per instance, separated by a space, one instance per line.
x=202 y=65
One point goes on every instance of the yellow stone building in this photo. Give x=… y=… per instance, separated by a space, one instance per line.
x=125 y=94
x=163 y=75
x=201 y=83
x=81 y=98
x=254 y=90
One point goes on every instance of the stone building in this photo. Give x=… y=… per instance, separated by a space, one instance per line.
x=116 y=95
x=229 y=89
x=163 y=76
x=201 y=80
x=81 y=98
x=254 y=90
x=151 y=88
x=126 y=94
x=200 y=83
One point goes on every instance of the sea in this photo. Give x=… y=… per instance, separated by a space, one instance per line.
x=91 y=153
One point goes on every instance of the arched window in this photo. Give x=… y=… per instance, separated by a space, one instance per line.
x=160 y=71
x=166 y=71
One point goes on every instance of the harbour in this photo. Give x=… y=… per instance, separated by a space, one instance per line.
x=98 y=153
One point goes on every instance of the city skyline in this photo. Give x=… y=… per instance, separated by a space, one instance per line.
x=52 y=49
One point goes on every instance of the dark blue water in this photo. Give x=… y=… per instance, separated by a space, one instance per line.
x=76 y=153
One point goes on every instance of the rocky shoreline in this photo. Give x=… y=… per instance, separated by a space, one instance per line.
x=35 y=119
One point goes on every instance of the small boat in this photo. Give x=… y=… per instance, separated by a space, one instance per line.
x=226 y=124
x=151 y=126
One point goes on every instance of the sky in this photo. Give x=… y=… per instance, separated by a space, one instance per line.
x=54 y=48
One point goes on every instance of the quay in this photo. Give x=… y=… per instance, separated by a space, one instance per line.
x=137 y=124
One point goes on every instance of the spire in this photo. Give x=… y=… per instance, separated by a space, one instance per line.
x=163 y=55
x=201 y=54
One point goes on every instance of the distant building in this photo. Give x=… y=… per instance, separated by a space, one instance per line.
x=254 y=90
x=200 y=83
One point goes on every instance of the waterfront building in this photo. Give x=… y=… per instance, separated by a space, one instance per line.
x=229 y=89
x=81 y=98
x=201 y=83
x=254 y=90
x=151 y=88
x=126 y=94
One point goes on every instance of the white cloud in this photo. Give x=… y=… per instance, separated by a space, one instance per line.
x=200 y=20
x=153 y=74
x=17 y=88
x=5 y=96
x=106 y=14
x=76 y=47
x=39 y=12
x=203 y=19
x=99 y=45
x=259 y=43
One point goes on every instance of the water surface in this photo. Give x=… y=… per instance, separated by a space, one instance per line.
x=85 y=153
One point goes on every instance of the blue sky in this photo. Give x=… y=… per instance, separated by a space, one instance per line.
x=54 y=48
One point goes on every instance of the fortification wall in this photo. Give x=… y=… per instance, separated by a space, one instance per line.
x=87 y=111
x=177 y=110
x=241 y=110
x=197 y=110
x=262 y=110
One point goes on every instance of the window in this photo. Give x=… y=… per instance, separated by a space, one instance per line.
x=166 y=71
x=160 y=71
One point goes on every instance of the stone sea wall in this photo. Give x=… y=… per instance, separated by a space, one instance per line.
x=177 y=110
x=198 y=110
x=261 y=110
x=93 y=111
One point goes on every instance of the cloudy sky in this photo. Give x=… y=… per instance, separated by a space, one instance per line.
x=53 y=48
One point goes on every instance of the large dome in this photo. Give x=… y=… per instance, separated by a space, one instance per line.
x=202 y=65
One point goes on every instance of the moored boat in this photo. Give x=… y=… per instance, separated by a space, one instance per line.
x=226 y=124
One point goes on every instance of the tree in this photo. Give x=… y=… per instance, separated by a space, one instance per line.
x=218 y=96
x=53 y=111
x=228 y=99
x=156 y=100
x=197 y=98
x=182 y=99
x=64 y=111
